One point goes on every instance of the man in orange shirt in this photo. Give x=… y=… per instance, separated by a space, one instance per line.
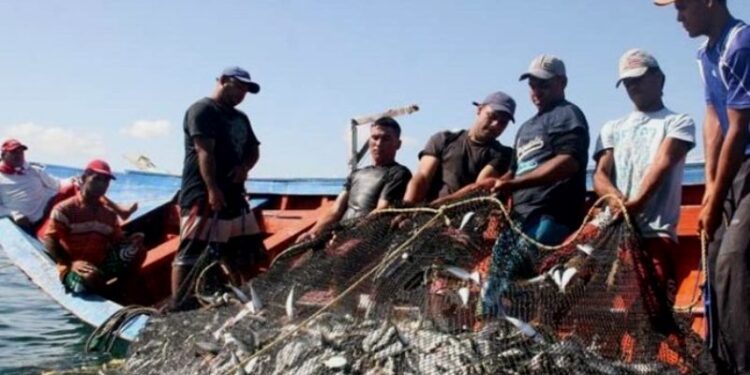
x=85 y=236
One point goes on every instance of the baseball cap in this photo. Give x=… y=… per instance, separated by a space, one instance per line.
x=100 y=167
x=635 y=63
x=545 y=67
x=663 y=2
x=243 y=76
x=500 y=101
x=12 y=144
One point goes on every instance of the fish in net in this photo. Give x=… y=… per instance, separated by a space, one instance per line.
x=415 y=298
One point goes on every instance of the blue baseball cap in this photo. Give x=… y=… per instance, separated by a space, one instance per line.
x=499 y=101
x=241 y=75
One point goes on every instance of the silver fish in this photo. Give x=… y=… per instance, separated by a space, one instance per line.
x=239 y=293
x=463 y=274
x=257 y=304
x=463 y=293
x=525 y=328
x=466 y=219
x=290 y=313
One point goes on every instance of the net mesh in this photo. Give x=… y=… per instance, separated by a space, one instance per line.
x=420 y=292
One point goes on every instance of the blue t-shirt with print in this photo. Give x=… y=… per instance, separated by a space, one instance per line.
x=725 y=67
x=560 y=130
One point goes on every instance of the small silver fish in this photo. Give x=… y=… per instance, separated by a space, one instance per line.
x=525 y=328
x=463 y=293
x=257 y=304
x=239 y=293
x=463 y=274
x=290 y=313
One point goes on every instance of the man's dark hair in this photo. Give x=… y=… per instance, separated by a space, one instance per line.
x=390 y=123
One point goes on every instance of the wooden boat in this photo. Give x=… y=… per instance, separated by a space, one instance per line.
x=285 y=208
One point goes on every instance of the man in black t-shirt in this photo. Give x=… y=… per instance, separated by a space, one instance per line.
x=452 y=160
x=220 y=150
x=547 y=178
x=380 y=185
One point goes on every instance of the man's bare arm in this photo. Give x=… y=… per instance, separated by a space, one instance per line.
x=671 y=152
x=712 y=142
x=730 y=158
x=555 y=169
x=333 y=215
x=420 y=182
x=55 y=249
x=488 y=172
x=603 y=184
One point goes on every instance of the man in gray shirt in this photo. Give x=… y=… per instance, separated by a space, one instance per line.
x=640 y=159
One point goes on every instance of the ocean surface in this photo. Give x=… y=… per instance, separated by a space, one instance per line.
x=37 y=335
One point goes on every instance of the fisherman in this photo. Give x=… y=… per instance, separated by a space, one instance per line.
x=547 y=179
x=377 y=186
x=641 y=157
x=724 y=60
x=27 y=192
x=452 y=160
x=85 y=238
x=220 y=150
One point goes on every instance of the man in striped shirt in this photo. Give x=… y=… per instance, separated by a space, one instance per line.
x=85 y=237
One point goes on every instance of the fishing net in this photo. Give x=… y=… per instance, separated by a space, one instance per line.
x=450 y=290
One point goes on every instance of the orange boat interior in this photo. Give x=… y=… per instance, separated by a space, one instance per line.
x=284 y=217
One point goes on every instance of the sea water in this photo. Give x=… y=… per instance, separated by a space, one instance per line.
x=36 y=334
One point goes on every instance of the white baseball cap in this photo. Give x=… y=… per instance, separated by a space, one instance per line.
x=635 y=63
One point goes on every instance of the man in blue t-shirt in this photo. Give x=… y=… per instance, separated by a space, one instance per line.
x=724 y=60
x=547 y=178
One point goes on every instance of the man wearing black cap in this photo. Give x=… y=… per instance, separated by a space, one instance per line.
x=220 y=150
x=452 y=160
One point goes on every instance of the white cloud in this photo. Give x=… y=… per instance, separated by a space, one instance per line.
x=147 y=129
x=55 y=141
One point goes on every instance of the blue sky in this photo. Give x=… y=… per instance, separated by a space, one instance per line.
x=84 y=79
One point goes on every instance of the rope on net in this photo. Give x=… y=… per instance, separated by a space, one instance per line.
x=439 y=213
x=105 y=335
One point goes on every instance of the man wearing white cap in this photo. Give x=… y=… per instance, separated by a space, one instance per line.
x=724 y=60
x=640 y=159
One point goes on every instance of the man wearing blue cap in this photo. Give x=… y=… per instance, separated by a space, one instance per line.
x=724 y=61
x=452 y=160
x=220 y=150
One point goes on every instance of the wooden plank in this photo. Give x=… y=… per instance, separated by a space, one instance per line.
x=28 y=254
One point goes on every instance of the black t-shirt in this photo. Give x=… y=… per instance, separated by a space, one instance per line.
x=368 y=185
x=234 y=138
x=461 y=160
x=560 y=130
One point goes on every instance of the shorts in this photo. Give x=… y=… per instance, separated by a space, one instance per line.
x=117 y=262
x=235 y=238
